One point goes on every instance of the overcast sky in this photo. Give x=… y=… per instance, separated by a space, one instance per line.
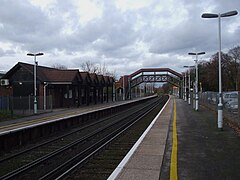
x=125 y=35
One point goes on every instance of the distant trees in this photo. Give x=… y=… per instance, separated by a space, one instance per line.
x=91 y=67
x=166 y=88
x=235 y=54
x=208 y=71
x=59 y=66
x=97 y=68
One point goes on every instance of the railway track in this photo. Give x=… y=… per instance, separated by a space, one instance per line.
x=46 y=160
x=102 y=165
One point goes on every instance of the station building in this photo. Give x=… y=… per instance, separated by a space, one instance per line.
x=67 y=87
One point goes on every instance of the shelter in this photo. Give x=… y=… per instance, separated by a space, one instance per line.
x=68 y=88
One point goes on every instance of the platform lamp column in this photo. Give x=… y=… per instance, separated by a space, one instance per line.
x=196 y=81
x=185 y=86
x=189 y=82
x=182 y=89
x=220 y=105
x=189 y=87
x=35 y=79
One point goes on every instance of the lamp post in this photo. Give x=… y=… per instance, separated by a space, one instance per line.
x=182 y=90
x=35 y=79
x=189 y=83
x=185 y=87
x=196 y=81
x=220 y=105
x=123 y=88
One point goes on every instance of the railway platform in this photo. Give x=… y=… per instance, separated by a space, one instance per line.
x=11 y=125
x=183 y=144
x=23 y=131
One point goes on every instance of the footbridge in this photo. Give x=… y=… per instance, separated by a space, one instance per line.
x=155 y=75
x=128 y=84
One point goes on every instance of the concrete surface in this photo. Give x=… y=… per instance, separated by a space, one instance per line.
x=146 y=161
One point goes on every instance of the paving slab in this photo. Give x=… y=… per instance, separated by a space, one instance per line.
x=145 y=161
x=204 y=152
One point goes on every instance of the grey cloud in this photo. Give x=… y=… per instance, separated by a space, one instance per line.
x=29 y=27
x=194 y=33
x=113 y=36
x=6 y=52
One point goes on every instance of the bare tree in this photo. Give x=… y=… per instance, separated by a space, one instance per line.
x=59 y=66
x=208 y=73
x=112 y=74
x=102 y=69
x=235 y=54
x=89 y=67
x=98 y=69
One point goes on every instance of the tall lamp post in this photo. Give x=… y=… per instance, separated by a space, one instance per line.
x=196 y=81
x=182 y=90
x=35 y=79
x=189 y=83
x=185 y=87
x=220 y=105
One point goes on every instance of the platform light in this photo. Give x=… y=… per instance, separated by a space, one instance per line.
x=189 y=82
x=35 y=79
x=220 y=104
x=196 y=81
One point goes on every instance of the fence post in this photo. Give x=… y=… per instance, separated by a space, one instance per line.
x=51 y=102
x=29 y=104
x=11 y=105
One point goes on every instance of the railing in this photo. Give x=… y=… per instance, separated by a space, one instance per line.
x=11 y=107
x=231 y=103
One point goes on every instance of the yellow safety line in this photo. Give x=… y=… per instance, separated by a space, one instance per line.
x=173 y=166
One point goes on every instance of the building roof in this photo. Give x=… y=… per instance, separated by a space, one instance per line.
x=94 y=78
x=47 y=74
x=1 y=75
x=101 y=79
x=85 y=77
x=124 y=81
x=106 y=80
x=53 y=75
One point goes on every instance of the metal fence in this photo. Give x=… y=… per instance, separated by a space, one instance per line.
x=231 y=103
x=23 y=106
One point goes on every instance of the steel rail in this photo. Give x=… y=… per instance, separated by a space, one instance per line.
x=95 y=148
x=51 y=155
x=63 y=136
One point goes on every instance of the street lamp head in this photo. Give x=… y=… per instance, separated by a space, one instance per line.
x=37 y=54
x=209 y=15
x=192 y=53
x=200 y=53
x=30 y=54
x=230 y=13
x=227 y=14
